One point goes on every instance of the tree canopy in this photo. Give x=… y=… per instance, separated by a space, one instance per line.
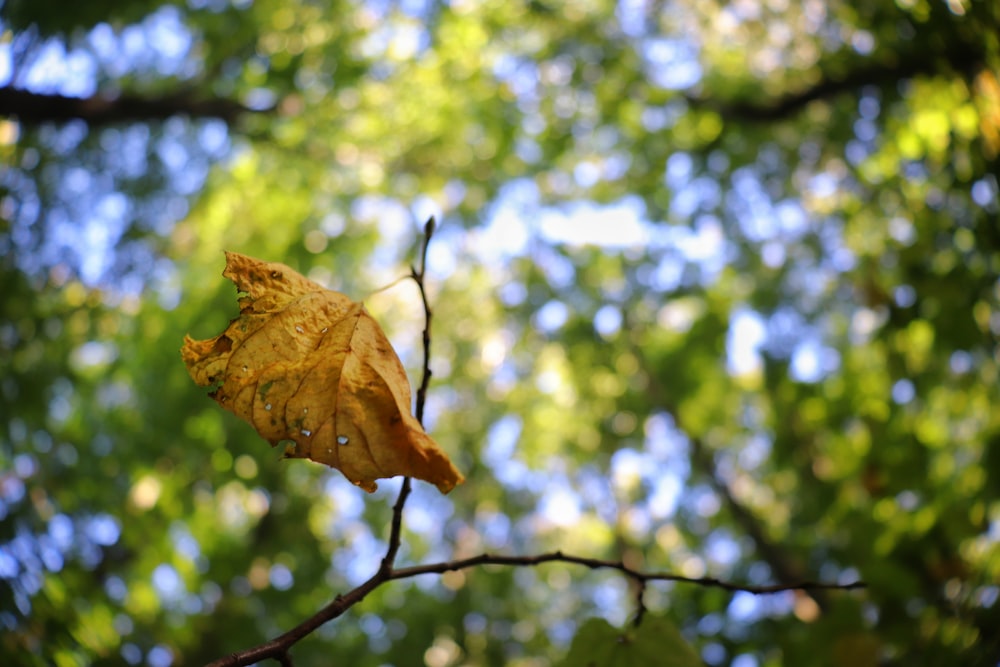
x=715 y=291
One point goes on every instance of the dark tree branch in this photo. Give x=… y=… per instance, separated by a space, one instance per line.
x=785 y=570
x=962 y=58
x=279 y=646
x=396 y=527
x=37 y=108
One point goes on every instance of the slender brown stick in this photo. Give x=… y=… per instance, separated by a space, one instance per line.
x=279 y=646
x=418 y=277
x=640 y=603
x=782 y=566
x=598 y=564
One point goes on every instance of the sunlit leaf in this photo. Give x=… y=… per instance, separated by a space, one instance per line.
x=305 y=364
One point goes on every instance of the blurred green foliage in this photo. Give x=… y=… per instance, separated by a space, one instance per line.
x=654 y=642
x=790 y=374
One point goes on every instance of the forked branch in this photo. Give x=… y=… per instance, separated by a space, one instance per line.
x=279 y=648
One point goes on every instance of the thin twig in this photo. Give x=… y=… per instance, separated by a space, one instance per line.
x=597 y=564
x=396 y=528
x=280 y=645
x=418 y=277
x=640 y=603
x=781 y=564
x=395 y=532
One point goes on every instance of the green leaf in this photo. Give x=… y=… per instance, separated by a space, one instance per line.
x=656 y=641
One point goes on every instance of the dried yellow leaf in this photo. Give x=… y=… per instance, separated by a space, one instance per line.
x=306 y=364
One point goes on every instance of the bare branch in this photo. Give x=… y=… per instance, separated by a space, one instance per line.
x=396 y=528
x=418 y=277
x=597 y=564
x=395 y=532
x=782 y=565
x=279 y=646
x=640 y=603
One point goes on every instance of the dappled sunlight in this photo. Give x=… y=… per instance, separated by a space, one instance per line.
x=145 y=492
x=238 y=506
x=714 y=291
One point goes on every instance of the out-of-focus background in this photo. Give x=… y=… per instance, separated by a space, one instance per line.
x=715 y=290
